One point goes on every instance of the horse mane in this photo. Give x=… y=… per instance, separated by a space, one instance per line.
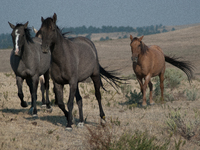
x=27 y=33
x=144 y=47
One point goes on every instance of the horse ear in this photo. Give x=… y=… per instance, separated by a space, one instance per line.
x=11 y=25
x=54 y=18
x=131 y=37
x=140 y=39
x=26 y=25
x=42 y=19
x=35 y=30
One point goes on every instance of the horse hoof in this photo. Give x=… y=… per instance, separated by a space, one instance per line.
x=24 y=104
x=152 y=104
x=68 y=129
x=35 y=115
x=49 y=110
x=144 y=106
x=32 y=113
x=43 y=106
x=80 y=125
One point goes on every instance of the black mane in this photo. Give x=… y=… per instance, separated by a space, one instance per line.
x=27 y=33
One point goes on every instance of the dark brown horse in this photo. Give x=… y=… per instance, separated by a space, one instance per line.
x=149 y=61
x=73 y=60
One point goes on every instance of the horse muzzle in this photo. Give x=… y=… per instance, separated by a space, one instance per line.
x=134 y=59
x=16 y=51
x=45 y=49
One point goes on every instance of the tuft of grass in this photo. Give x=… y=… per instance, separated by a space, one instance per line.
x=125 y=88
x=173 y=78
x=139 y=141
x=134 y=99
x=178 y=125
x=192 y=94
x=100 y=138
x=115 y=121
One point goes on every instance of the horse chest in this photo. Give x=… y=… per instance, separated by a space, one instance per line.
x=21 y=69
x=140 y=70
x=58 y=75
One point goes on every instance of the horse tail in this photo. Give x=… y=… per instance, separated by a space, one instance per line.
x=185 y=66
x=109 y=76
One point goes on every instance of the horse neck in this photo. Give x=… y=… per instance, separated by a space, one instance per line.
x=57 y=49
x=27 y=51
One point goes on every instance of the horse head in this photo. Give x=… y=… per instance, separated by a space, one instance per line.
x=19 y=35
x=137 y=47
x=48 y=32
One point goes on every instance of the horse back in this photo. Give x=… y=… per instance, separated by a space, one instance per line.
x=158 y=59
x=85 y=57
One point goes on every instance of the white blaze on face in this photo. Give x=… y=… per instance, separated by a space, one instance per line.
x=16 y=42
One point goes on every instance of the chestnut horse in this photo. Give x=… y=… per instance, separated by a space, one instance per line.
x=149 y=61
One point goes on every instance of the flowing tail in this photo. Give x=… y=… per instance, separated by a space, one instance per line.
x=185 y=66
x=109 y=76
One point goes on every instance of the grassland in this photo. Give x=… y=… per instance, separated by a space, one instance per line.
x=176 y=121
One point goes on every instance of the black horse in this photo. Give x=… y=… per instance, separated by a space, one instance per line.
x=73 y=60
x=29 y=62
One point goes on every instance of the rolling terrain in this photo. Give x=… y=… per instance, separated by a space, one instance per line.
x=20 y=131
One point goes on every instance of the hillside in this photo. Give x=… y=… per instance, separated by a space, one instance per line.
x=177 y=119
x=115 y=54
x=182 y=43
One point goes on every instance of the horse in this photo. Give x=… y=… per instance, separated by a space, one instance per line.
x=73 y=61
x=29 y=62
x=149 y=61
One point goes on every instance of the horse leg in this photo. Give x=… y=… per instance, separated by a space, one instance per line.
x=33 y=85
x=97 y=84
x=161 y=76
x=147 y=79
x=42 y=88
x=80 y=105
x=46 y=77
x=150 y=96
x=56 y=101
x=19 y=82
x=141 y=85
x=58 y=89
x=70 y=103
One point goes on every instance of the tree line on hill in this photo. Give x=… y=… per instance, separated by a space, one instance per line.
x=6 y=39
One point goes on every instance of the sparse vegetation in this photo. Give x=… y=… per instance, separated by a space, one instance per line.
x=179 y=124
x=101 y=138
x=20 y=131
x=192 y=94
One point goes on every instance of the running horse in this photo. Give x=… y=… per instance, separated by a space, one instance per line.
x=149 y=61
x=29 y=63
x=73 y=61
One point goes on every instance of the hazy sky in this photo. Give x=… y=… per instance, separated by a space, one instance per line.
x=74 y=13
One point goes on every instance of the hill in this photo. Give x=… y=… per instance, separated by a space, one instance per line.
x=177 y=119
x=115 y=54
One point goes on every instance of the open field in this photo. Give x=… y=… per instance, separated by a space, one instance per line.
x=20 y=131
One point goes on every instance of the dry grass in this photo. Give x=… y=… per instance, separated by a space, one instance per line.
x=20 y=131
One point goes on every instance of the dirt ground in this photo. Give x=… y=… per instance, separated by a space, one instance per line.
x=19 y=130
